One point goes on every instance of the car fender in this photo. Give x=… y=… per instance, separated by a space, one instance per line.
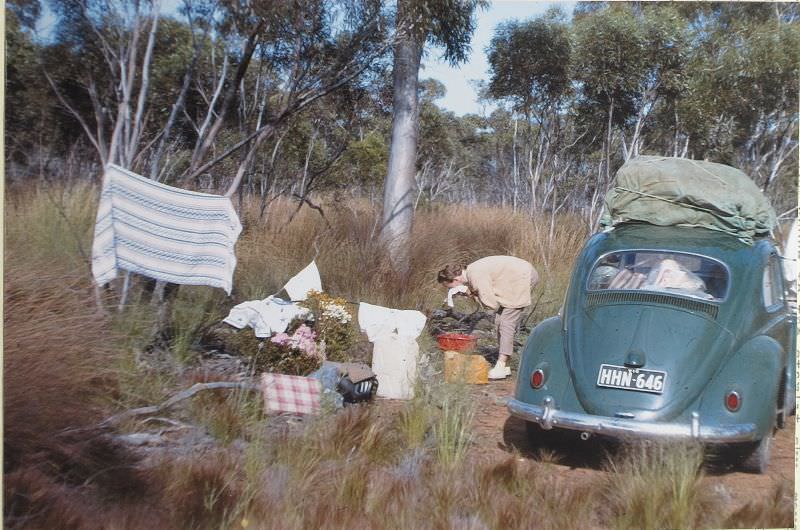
x=791 y=368
x=545 y=349
x=754 y=371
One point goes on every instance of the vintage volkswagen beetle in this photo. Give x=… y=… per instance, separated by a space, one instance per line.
x=666 y=333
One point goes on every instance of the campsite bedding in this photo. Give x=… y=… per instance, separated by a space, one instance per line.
x=291 y=393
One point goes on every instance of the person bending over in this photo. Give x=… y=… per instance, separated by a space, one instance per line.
x=502 y=283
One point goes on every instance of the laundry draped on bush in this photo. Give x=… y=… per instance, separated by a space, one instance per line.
x=268 y=316
x=165 y=233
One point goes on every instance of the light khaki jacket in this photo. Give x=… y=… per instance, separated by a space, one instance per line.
x=502 y=281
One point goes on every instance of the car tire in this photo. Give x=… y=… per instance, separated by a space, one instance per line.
x=755 y=456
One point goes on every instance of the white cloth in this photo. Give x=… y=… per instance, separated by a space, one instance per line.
x=377 y=321
x=669 y=274
x=306 y=280
x=268 y=316
x=162 y=232
x=454 y=291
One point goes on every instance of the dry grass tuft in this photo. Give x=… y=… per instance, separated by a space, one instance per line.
x=658 y=486
x=56 y=357
x=774 y=510
x=34 y=499
x=353 y=263
x=202 y=490
x=91 y=457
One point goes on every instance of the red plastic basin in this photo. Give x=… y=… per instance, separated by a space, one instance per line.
x=457 y=342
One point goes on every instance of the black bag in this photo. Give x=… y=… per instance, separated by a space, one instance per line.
x=357 y=392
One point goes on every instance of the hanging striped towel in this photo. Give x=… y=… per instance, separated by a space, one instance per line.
x=166 y=233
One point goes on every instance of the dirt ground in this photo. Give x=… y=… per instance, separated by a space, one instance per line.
x=497 y=434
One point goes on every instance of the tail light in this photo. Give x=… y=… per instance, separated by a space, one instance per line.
x=733 y=401
x=537 y=378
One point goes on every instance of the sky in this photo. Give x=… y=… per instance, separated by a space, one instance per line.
x=461 y=97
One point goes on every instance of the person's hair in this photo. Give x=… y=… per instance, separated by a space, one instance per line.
x=449 y=273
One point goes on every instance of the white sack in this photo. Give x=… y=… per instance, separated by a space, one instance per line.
x=394 y=362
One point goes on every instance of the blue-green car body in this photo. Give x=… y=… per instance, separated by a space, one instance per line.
x=702 y=350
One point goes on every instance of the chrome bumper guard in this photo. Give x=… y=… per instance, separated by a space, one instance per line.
x=626 y=429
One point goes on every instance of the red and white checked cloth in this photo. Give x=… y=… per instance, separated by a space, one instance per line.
x=290 y=393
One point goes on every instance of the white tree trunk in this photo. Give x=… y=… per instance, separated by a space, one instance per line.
x=398 y=193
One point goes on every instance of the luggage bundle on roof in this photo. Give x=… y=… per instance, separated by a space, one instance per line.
x=669 y=191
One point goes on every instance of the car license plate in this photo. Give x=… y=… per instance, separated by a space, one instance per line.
x=613 y=376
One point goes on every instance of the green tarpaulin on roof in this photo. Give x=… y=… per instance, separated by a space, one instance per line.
x=669 y=191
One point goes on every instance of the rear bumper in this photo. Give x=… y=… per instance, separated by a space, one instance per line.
x=549 y=417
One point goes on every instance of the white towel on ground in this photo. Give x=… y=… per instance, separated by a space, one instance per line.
x=268 y=316
x=306 y=280
x=377 y=321
x=162 y=232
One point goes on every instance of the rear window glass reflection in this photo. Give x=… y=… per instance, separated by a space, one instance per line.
x=683 y=274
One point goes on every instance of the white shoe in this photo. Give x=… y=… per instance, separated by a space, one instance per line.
x=499 y=372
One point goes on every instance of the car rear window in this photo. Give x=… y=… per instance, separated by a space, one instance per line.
x=672 y=272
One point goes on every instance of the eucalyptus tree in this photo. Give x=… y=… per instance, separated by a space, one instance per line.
x=667 y=53
x=446 y=23
x=627 y=58
x=32 y=126
x=529 y=67
x=304 y=51
x=116 y=39
x=316 y=48
x=741 y=104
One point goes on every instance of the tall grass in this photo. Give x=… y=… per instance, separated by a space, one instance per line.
x=354 y=265
x=387 y=465
x=658 y=485
x=57 y=353
x=58 y=359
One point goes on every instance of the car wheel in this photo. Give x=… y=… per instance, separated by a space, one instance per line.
x=755 y=456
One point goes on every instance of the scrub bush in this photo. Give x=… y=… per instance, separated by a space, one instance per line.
x=333 y=324
x=295 y=354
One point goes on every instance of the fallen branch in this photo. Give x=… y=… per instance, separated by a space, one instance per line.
x=177 y=398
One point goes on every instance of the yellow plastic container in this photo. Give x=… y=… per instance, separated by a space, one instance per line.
x=470 y=369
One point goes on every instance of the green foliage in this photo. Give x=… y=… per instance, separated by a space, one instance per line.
x=715 y=81
x=333 y=324
x=368 y=157
x=611 y=60
x=263 y=355
x=521 y=71
x=445 y=23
